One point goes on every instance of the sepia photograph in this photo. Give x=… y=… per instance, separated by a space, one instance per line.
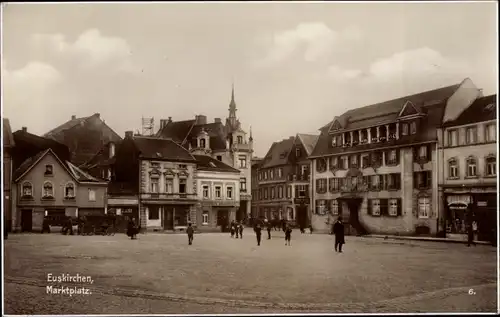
x=249 y=158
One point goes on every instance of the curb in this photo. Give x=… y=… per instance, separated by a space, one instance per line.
x=425 y=239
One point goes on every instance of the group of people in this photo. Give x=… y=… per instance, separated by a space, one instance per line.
x=269 y=226
x=236 y=228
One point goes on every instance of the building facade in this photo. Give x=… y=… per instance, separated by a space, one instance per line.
x=377 y=166
x=228 y=143
x=467 y=149
x=8 y=146
x=284 y=180
x=44 y=185
x=256 y=163
x=217 y=186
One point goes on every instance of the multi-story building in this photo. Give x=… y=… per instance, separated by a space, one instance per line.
x=283 y=180
x=377 y=165
x=84 y=137
x=159 y=175
x=8 y=146
x=218 y=186
x=256 y=162
x=227 y=143
x=44 y=185
x=467 y=150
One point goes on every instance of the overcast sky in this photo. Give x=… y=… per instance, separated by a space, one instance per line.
x=295 y=65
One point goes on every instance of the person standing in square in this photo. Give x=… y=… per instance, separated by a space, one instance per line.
x=288 y=235
x=338 y=231
x=190 y=233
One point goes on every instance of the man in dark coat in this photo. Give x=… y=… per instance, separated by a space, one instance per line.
x=269 y=228
x=132 y=229
x=240 y=229
x=283 y=225
x=45 y=225
x=288 y=235
x=232 y=229
x=338 y=231
x=190 y=233
x=258 y=232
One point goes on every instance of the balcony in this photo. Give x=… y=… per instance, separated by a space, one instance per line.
x=302 y=201
x=168 y=196
x=299 y=177
x=353 y=188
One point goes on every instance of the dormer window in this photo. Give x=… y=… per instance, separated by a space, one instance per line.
x=240 y=139
x=297 y=152
x=49 y=170
x=413 y=127
x=405 y=129
x=202 y=143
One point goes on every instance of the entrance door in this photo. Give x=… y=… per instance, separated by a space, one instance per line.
x=26 y=220
x=302 y=218
x=222 y=217
x=353 y=205
x=168 y=218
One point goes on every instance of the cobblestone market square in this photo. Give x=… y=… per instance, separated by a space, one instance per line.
x=161 y=273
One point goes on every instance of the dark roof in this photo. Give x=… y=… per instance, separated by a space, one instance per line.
x=207 y=163
x=214 y=130
x=8 y=138
x=27 y=164
x=65 y=126
x=278 y=153
x=388 y=111
x=177 y=130
x=161 y=149
x=122 y=188
x=308 y=141
x=431 y=103
x=482 y=109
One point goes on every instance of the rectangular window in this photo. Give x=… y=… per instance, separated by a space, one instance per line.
x=334 y=162
x=169 y=185
x=271 y=174
x=393 y=207
x=471 y=135
x=394 y=181
x=422 y=152
x=453 y=169
x=423 y=180
x=206 y=192
x=49 y=170
x=334 y=184
x=405 y=129
x=182 y=185
x=273 y=193
x=302 y=191
x=154 y=185
x=413 y=127
x=280 y=172
x=280 y=192
x=260 y=175
x=471 y=167
x=91 y=195
x=344 y=162
x=219 y=158
x=297 y=152
x=366 y=161
x=423 y=207
x=335 y=207
x=229 y=192
x=375 y=204
x=320 y=206
x=452 y=138
x=289 y=191
x=491 y=166
x=204 y=218
x=321 y=186
x=354 y=160
x=243 y=185
x=242 y=161
x=290 y=213
x=218 y=192
x=304 y=169
x=491 y=132
x=392 y=157
x=154 y=213
x=375 y=182
x=266 y=192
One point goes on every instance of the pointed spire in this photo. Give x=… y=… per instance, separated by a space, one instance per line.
x=251 y=137
x=232 y=104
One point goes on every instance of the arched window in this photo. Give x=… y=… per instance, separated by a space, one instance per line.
x=27 y=189
x=48 y=190
x=69 y=190
x=202 y=143
x=240 y=139
x=471 y=164
x=453 y=168
x=491 y=165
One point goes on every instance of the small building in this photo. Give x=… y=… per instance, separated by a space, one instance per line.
x=218 y=186
x=44 y=185
x=284 y=180
x=162 y=174
x=8 y=146
x=468 y=180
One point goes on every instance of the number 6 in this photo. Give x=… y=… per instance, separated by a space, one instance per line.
x=471 y=291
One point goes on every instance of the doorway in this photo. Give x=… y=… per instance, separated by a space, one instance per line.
x=353 y=205
x=168 y=218
x=26 y=220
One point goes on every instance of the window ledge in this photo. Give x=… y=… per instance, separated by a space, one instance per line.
x=453 y=178
x=48 y=198
x=69 y=198
x=472 y=177
x=490 y=176
x=393 y=189
x=27 y=198
x=204 y=224
x=392 y=164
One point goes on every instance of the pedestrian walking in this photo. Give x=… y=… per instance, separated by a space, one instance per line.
x=232 y=229
x=132 y=229
x=288 y=235
x=237 y=229
x=338 y=230
x=283 y=225
x=470 y=235
x=474 y=230
x=258 y=233
x=190 y=233
x=240 y=228
x=45 y=225
x=269 y=228
x=310 y=229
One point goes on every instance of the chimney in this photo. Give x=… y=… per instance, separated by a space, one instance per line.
x=129 y=134
x=73 y=117
x=201 y=119
x=169 y=119
x=25 y=129
x=217 y=120
x=97 y=114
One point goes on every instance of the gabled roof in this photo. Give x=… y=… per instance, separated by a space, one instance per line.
x=207 y=163
x=409 y=109
x=67 y=125
x=308 y=141
x=8 y=138
x=388 y=111
x=77 y=174
x=278 y=153
x=214 y=130
x=482 y=109
x=161 y=149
